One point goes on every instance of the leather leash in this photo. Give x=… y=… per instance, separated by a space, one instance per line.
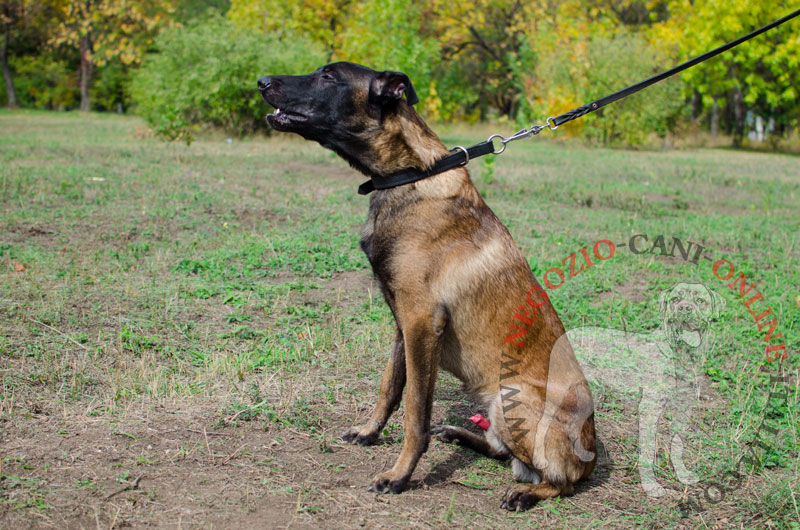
x=461 y=156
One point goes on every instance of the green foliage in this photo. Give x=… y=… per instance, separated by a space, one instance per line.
x=187 y=11
x=205 y=74
x=43 y=82
x=480 y=41
x=608 y=64
x=761 y=75
x=615 y=64
x=387 y=35
x=480 y=60
x=320 y=21
x=110 y=91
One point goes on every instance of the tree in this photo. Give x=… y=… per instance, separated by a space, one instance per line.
x=374 y=24
x=187 y=11
x=106 y=29
x=23 y=24
x=761 y=75
x=321 y=21
x=10 y=14
x=495 y=43
x=481 y=40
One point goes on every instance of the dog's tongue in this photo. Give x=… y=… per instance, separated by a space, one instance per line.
x=691 y=337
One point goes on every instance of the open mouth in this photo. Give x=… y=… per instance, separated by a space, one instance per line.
x=691 y=334
x=691 y=337
x=283 y=118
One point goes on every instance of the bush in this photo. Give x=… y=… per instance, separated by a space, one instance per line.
x=111 y=86
x=44 y=82
x=411 y=52
x=204 y=74
x=569 y=77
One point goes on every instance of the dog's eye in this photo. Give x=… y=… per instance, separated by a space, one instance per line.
x=327 y=77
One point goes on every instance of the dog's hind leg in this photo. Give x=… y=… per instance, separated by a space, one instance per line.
x=392 y=384
x=650 y=410
x=680 y=422
x=470 y=440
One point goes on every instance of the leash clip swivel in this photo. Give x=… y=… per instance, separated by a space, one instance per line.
x=519 y=135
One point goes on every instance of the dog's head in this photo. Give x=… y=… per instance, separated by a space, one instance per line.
x=687 y=310
x=343 y=106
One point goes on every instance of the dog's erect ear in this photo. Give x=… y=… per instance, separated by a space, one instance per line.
x=662 y=299
x=717 y=303
x=390 y=86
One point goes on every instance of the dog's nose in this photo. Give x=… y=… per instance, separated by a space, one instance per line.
x=264 y=83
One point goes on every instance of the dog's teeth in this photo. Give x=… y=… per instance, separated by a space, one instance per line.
x=277 y=111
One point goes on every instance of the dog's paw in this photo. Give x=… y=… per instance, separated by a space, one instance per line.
x=444 y=433
x=387 y=483
x=517 y=499
x=653 y=489
x=359 y=435
x=686 y=477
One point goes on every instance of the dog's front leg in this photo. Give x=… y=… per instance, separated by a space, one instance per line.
x=650 y=410
x=680 y=425
x=392 y=384
x=422 y=362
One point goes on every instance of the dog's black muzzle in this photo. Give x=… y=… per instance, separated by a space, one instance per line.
x=291 y=111
x=264 y=83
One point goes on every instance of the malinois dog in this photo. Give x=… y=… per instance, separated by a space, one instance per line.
x=457 y=286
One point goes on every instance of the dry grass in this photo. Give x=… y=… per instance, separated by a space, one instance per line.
x=193 y=327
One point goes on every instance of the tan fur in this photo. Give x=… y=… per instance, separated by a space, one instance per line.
x=454 y=280
x=449 y=253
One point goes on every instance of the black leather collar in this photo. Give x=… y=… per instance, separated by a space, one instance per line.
x=460 y=157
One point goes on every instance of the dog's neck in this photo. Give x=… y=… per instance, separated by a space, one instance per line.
x=401 y=141
x=405 y=141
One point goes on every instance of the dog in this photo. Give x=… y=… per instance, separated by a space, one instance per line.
x=453 y=279
x=664 y=365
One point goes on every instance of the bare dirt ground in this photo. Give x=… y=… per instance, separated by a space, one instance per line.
x=166 y=464
x=193 y=463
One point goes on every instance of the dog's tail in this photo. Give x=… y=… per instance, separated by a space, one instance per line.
x=546 y=490
x=522 y=496
x=580 y=429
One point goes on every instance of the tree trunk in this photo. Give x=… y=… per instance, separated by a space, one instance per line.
x=738 y=116
x=11 y=93
x=86 y=72
x=697 y=105
x=714 y=118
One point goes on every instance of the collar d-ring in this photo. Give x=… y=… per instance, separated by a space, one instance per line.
x=463 y=150
x=502 y=140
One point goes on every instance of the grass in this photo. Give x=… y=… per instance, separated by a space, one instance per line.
x=147 y=287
